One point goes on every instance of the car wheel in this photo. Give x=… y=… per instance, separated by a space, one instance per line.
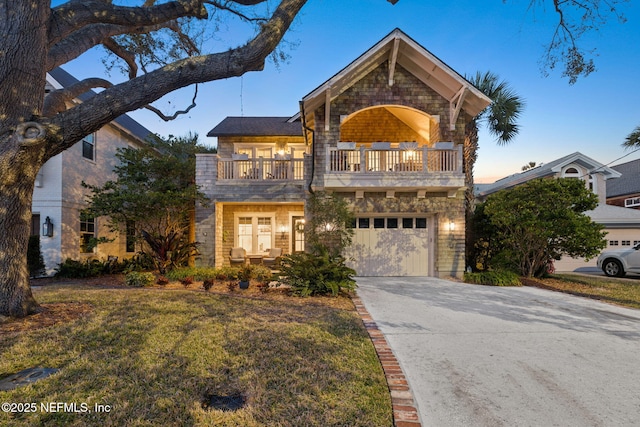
x=613 y=268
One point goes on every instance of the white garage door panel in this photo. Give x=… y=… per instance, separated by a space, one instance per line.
x=389 y=252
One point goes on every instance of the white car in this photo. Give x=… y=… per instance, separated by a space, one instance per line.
x=620 y=261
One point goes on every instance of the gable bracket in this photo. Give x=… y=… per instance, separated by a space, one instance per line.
x=393 y=58
x=455 y=105
x=327 y=109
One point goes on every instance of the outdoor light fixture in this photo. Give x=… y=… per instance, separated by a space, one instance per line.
x=452 y=225
x=47 y=227
x=283 y=230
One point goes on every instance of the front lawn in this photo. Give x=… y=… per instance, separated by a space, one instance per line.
x=154 y=355
x=611 y=290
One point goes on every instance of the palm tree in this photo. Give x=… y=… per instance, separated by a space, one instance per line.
x=500 y=118
x=633 y=139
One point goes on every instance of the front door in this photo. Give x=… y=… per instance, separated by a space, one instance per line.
x=298 y=233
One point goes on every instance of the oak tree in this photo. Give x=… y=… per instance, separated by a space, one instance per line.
x=162 y=45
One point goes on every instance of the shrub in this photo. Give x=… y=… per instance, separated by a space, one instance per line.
x=162 y=281
x=493 y=278
x=187 y=281
x=232 y=285
x=72 y=269
x=311 y=274
x=262 y=274
x=195 y=273
x=138 y=279
x=207 y=284
x=245 y=273
x=35 y=261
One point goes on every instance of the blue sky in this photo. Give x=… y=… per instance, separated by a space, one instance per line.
x=592 y=116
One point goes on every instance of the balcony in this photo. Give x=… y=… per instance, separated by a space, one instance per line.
x=261 y=169
x=373 y=169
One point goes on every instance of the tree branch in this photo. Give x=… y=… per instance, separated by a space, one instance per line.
x=112 y=102
x=82 y=40
x=123 y=54
x=177 y=113
x=74 y=16
x=56 y=101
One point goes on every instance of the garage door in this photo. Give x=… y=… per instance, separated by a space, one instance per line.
x=390 y=247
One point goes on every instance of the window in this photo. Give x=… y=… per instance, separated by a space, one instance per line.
x=571 y=173
x=407 y=222
x=89 y=147
x=130 y=239
x=613 y=243
x=392 y=222
x=363 y=222
x=87 y=232
x=421 y=222
x=255 y=233
x=626 y=243
x=378 y=223
x=634 y=201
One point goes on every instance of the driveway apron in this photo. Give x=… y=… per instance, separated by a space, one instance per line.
x=489 y=356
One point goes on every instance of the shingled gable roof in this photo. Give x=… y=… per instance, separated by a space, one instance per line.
x=628 y=183
x=545 y=170
x=398 y=48
x=59 y=78
x=258 y=126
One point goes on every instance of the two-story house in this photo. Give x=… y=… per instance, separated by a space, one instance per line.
x=621 y=225
x=385 y=132
x=58 y=195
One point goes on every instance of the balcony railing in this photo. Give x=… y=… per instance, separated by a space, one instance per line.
x=418 y=161
x=261 y=169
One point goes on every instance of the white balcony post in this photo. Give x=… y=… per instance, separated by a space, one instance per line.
x=363 y=160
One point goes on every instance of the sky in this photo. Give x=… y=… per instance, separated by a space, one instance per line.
x=592 y=116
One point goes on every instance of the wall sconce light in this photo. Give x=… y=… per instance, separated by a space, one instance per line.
x=47 y=228
x=283 y=230
x=452 y=225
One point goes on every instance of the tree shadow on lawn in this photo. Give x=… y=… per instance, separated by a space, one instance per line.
x=154 y=357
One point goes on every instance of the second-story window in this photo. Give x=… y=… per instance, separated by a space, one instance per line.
x=89 y=147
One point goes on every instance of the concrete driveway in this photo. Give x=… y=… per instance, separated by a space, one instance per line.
x=488 y=356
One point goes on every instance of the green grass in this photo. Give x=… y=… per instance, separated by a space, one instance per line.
x=611 y=290
x=152 y=355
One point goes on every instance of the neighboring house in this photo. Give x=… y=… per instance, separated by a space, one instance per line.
x=625 y=191
x=622 y=225
x=59 y=196
x=386 y=132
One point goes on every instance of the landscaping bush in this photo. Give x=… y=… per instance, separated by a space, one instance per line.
x=195 y=273
x=139 y=279
x=35 y=261
x=73 y=269
x=493 y=278
x=207 y=284
x=311 y=274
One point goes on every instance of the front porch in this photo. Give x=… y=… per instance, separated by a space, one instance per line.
x=256 y=228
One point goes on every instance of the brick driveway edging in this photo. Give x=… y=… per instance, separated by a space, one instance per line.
x=405 y=413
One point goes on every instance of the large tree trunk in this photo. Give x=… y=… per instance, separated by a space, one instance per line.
x=23 y=31
x=16 y=191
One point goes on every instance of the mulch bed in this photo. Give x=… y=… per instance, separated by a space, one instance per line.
x=51 y=314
